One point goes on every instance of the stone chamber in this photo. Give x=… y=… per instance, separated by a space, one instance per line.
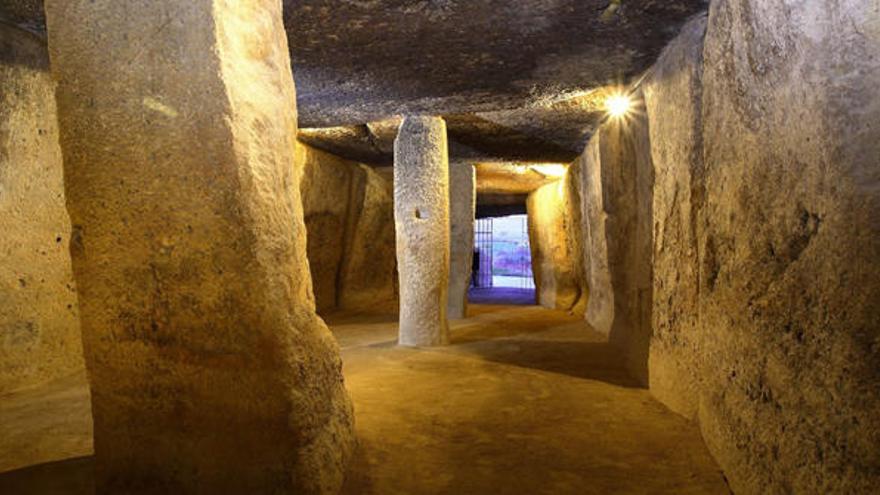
x=236 y=241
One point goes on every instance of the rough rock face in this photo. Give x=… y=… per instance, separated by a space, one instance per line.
x=462 y=209
x=421 y=217
x=349 y=219
x=790 y=245
x=209 y=369
x=39 y=325
x=673 y=95
x=767 y=279
x=356 y=61
x=556 y=244
x=25 y=13
x=616 y=179
x=368 y=274
x=326 y=195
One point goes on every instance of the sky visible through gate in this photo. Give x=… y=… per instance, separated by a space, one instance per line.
x=511 y=256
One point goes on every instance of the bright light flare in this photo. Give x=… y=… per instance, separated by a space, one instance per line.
x=618 y=105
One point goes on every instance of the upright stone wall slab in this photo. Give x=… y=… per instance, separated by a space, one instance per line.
x=210 y=371
x=616 y=180
x=349 y=216
x=790 y=245
x=39 y=323
x=556 y=244
x=462 y=209
x=326 y=196
x=368 y=273
x=673 y=100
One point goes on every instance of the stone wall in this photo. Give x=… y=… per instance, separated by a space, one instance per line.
x=673 y=102
x=616 y=178
x=350 y=230
x=368 y=274
x=209 y=370
x=555 y=239
x=39 y=326
x=767 y=241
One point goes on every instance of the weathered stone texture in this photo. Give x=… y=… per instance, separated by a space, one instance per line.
x=368 y=274
x=421 y=216
x=616 y=179
x=767 y=173
x=600 y=305
x=39 y=325
x=673 y=95
x=790 y=245
x=209 y=369
x=555 y=240
x=326 y=196
x=350 y=229
x=462 y=210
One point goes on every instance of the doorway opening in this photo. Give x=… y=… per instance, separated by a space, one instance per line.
x=502 y=267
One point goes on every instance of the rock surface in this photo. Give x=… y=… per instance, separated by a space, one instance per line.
x=673 y=99
x=357 y=62
x=209 y=369
x=556 y=246
x=462 y=209
x=349 y=218
x=421 y=217
x=767 y=278
x=514 y=80
x=326 y=196
x=368 y=275
x=39 y=325
x=790 y=245
x=616 y=181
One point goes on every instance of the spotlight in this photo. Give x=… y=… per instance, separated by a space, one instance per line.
x=618 y=105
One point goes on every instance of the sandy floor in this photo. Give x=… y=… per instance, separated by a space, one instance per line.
x=525 y=401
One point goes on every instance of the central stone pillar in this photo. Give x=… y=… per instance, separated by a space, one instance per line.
x=462 y=208
x=209 y=370
x=421 y=217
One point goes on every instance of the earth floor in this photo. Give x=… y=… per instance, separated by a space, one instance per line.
x=525 y=401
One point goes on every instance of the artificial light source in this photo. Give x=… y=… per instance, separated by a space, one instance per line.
x=618 y=105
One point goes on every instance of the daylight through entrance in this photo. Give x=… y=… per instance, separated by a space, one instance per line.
x=502 y=265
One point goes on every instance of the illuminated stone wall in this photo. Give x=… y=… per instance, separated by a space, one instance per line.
x=39 y=323
x=349 y=219
x=615 y=176
x=209 y=370
x=555 y=239
x=767 y=242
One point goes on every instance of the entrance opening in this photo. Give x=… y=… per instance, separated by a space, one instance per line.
x=502 y=267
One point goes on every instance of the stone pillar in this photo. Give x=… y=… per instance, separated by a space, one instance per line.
x=462 y=207
x=209 y=369
x=421 y=217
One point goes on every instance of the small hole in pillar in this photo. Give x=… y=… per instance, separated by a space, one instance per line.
x=418 y=213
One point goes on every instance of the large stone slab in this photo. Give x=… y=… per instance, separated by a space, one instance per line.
x=462 y=208
x=673 y=100
x=368 y=280
x=39 y=322
x=555 y=239
x=210 y=371
x=616 y=182
x=790 y=245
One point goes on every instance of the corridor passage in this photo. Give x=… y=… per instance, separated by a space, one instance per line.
x=526 y=400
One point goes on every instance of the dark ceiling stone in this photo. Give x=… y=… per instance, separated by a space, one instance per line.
x=359 y=61
x=516 y=80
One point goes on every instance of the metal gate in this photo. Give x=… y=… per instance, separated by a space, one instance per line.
x=483 y=245
x=492 y=249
